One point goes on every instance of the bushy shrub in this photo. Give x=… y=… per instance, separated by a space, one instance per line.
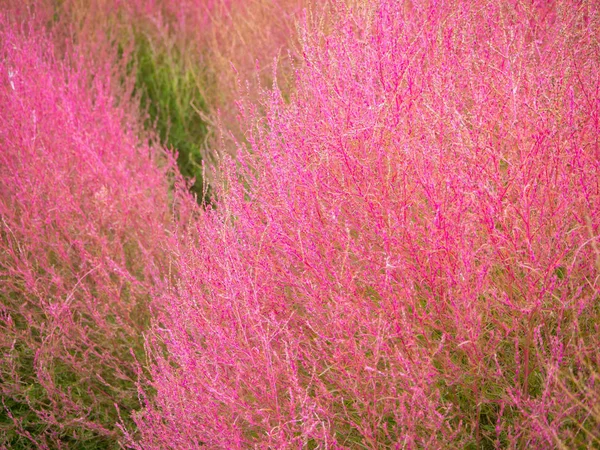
x=86 y=214
x=406 y=254
x=87 y=206
x=187 y=58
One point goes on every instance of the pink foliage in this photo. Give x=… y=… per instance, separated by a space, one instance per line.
x=406 y=253
x=85 y=218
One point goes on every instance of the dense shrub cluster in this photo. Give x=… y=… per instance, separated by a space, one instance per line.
x=185 y=58
x=406 y=253
x=85 y=218
x=403 y=253
x=88 y=205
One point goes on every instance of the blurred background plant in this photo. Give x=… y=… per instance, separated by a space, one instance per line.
x=169 y=91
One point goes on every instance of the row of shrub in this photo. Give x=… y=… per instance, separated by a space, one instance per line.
x=104 y=108
x=405 y=255
x=401 y=252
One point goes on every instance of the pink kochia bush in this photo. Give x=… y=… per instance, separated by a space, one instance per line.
x=85 y=219
x=406 y=253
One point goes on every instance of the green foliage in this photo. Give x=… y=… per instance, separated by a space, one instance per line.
x=169 y=86
x=22 y=409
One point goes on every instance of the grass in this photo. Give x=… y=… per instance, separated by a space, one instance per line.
x=169 y=87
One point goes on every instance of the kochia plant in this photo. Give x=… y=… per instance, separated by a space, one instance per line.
x=406 y=255
x=85 y=221
x=185 y=57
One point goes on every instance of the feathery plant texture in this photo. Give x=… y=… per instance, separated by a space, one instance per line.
x=86 y=207
x=188 y=57
x=406 y=256
x=86 y=215
x=241 y=45
x=168 y=77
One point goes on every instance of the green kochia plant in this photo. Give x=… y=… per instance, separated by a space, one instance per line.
x=169 y=87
